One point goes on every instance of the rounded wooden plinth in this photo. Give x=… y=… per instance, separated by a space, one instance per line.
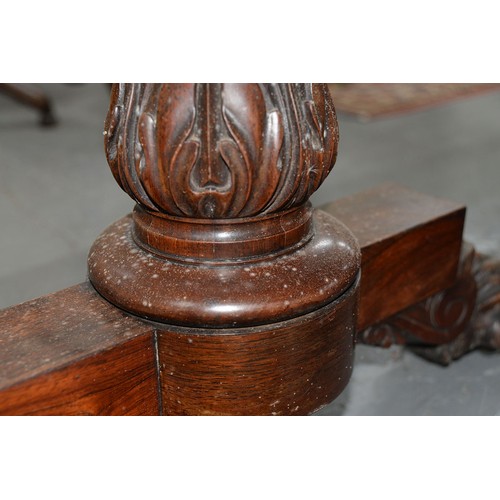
x=292 y=367
x=226 y=293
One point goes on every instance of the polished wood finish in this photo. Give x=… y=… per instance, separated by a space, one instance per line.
x=438 y=319
x=288 y=368
x=226 y=293
x=72 y=353
x=216 y=151
x=58 y=353
x=410 y=244
x=223 y=239
x=222 y=233
x=483 y=329
x=240 y=298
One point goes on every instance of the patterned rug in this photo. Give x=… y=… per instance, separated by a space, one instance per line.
x=374 y=100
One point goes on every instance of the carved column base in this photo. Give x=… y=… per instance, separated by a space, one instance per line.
x=268 y=331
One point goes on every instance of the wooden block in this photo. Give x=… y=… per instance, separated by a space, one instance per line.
x=287 y=368
x=410 y=246
x=73 y=353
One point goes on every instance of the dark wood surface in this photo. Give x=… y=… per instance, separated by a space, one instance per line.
x=220 y=150
x=288 y=368
x=452 y=322
x=223 y=238
x=222 y=234
x=410 y=245
x=226 y=294
x=254 y=294
x=73 y=353
x=436 y=320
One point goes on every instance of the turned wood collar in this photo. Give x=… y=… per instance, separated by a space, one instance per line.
x=222 y=240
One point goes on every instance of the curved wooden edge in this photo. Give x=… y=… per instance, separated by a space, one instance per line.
x=291 y=367
x=421 y=285
x=231 y=293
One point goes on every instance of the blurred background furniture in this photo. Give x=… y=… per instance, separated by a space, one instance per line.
x=368 y=101
x=34 y=97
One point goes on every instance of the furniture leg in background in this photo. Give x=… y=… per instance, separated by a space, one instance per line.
x=32 y=96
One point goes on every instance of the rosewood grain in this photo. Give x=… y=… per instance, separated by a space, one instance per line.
x=436 y=320
x=288 y=368
x=72 y=353
x=220 y=151
x=410 y=245
x=222 y=233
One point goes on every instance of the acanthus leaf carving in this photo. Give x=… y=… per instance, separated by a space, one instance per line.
x=220 y=150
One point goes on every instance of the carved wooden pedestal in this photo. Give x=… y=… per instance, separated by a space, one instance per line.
x=224 y=292
x=256 y=292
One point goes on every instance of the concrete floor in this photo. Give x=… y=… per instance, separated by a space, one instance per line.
x=57 y=195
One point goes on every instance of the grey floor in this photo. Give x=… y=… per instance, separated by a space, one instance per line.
x=57 y=195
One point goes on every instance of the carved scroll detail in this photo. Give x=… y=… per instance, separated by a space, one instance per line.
x=483 y=330
x=452 y=322
x=220 y=150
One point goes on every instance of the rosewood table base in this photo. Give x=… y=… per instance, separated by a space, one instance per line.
x=224 y=292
